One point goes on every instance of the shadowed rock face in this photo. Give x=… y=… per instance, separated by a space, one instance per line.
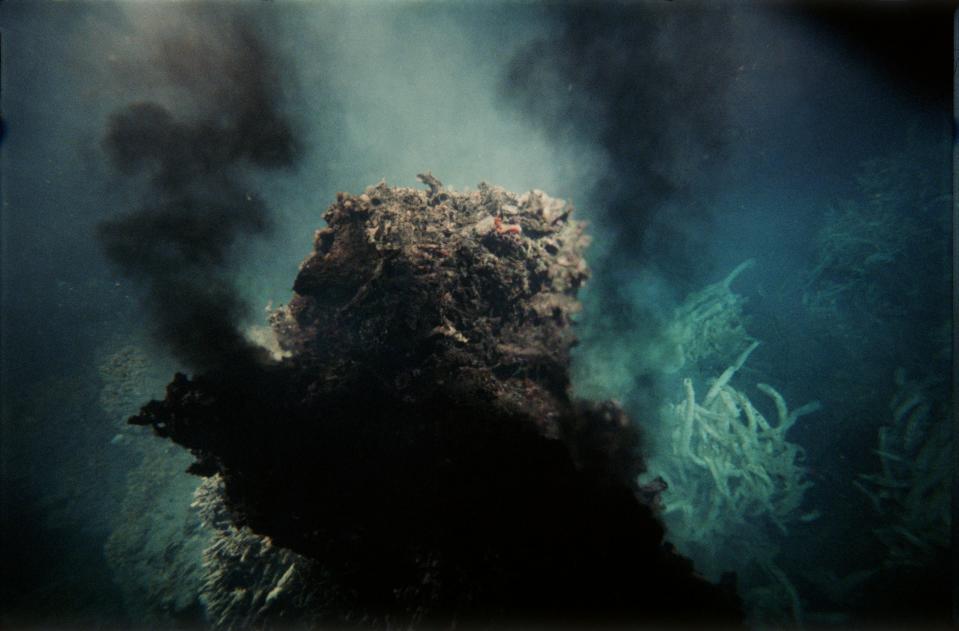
x=417 y=448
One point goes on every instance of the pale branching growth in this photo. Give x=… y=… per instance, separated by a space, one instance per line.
x=912 y=489
x=735 y=483
x=709 y=325
x=864 y=242
x=732 y=465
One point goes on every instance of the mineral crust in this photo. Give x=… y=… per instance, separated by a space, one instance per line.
x=416 y=454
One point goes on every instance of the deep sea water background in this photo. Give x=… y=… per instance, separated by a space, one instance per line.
x=692 y=138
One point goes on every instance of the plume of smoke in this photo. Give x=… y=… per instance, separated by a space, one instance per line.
x=644 y=85
x=193 y=163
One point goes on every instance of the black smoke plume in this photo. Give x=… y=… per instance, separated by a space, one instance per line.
x=644 y=87
x=198 y=203
x=646 y=84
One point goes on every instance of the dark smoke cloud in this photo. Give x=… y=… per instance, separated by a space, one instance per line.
x=198 y=204
x=646 y=84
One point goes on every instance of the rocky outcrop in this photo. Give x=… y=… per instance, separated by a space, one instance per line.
x=417 y=448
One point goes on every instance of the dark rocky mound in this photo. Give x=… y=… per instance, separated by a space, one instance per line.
x=416 y=458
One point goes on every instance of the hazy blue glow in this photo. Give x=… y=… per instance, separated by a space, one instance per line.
x=385 y=91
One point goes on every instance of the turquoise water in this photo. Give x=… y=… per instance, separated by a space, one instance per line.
x=691 y=140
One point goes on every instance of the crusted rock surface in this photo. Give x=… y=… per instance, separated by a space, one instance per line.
x=417 y=448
